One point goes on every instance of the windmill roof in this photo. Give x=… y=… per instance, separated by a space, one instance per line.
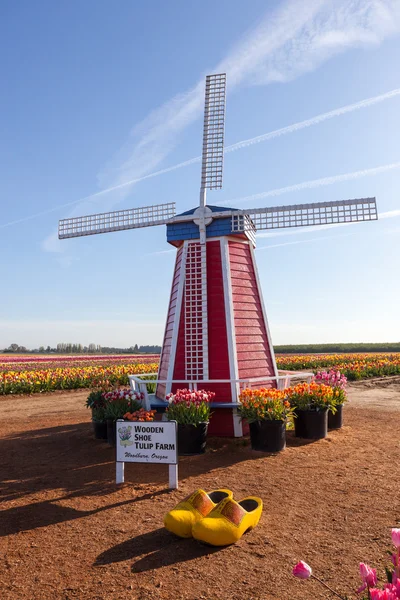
x=212 y=208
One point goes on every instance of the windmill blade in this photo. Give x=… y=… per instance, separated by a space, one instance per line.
x=213 y=132
x=303 y=215
x=133 y=218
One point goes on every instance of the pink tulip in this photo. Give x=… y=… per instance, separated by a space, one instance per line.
x=375 y=594
x=302 y=570
x=396 y=537
x=368 y=576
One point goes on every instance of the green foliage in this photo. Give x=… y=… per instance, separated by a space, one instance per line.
x=151 y=387
x=193 y=414
x=98 y=415
x=116 y=409
x=95 y=399
x=269 y=410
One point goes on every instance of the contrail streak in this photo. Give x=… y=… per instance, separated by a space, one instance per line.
x=326 y=237
x=314 y=183
x=233 y=147
x=337 y=112
x=260 y=138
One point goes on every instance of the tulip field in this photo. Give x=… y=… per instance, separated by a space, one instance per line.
x=29 y=374
x=353 y=366
x=66 y=373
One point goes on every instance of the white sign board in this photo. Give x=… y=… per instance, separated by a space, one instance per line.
x=147 y=442
x=152 y=442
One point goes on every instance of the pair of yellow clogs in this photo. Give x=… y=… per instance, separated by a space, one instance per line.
x=214 y=517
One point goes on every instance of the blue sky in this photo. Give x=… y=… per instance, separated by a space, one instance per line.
x=97 y=94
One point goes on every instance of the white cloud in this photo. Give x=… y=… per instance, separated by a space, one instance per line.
x=318 y=239
x=158 y=252
x=295 y=38
x=314 y=183
x=340 y=25
x=337 y=112
x=390 y=214
x=51 y=243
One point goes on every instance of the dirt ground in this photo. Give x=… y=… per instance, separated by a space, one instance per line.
x=67 y=531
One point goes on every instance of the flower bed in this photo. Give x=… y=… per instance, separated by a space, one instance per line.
x=352 y=366
x=20 y=363
x=48 y=380
x=27 y=375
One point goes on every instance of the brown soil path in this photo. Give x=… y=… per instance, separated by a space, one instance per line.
x=67 y=531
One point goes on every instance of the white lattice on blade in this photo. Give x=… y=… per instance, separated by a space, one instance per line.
x=303 y=215
x=213 y=132
x=196 y=332
x=132 y=218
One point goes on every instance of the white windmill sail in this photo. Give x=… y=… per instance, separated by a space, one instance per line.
x=303 y=215
x=213 y=135
x=133 y=218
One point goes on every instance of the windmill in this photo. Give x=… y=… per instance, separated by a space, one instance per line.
x=217 y=330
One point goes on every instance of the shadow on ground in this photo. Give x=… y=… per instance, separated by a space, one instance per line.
x=160 y=548
x=66 y=462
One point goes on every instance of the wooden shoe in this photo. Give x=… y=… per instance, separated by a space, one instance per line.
x=228 y=521
x=192 y=509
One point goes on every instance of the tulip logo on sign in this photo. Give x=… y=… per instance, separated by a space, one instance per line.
x=125 y=436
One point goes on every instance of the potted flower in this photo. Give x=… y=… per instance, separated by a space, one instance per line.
x=267 y=412
x=95 y=401
x=191 y=410
x=125 y=431
x=117 y=404
x=311 y=402
x=140 y=415
x=338 y=383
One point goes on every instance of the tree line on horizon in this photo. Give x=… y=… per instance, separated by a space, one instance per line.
x=63 y=348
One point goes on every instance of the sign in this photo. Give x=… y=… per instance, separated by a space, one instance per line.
x=147 y=442
x=151 y=442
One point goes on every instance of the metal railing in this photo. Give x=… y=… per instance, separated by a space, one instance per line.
x=282 y=381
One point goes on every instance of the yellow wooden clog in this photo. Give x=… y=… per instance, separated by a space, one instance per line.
x=228 y=521
x=192 y=509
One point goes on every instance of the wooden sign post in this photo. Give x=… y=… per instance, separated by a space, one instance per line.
x=147 y=442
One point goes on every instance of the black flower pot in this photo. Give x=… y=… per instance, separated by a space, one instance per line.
x=335 y=421
x=268 y=436
x=311 y=424
x=111 y=432
x=192 y=438
x=100 y=430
